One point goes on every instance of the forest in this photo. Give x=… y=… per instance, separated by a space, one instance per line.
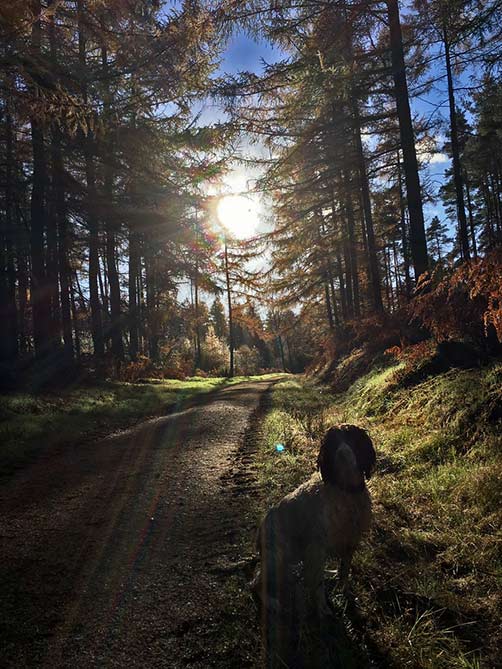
x=304 y=196
x=110 y=181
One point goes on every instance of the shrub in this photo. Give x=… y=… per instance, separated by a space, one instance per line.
x=133 y=371
x=214 y=353
x=247 y=360
x=467 y=304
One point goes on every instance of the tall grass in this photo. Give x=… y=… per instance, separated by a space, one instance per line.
x=428 y=577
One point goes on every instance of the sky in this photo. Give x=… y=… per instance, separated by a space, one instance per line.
x=245 y=53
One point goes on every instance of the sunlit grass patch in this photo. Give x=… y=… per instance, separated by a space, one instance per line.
x=428 y=577
x=29 y=424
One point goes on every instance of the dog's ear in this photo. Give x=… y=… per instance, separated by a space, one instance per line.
x=360 y=442
x=326 y=458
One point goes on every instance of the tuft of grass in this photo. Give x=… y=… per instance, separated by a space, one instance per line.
x=428 y=577
x=296 y=418
x=30 y=424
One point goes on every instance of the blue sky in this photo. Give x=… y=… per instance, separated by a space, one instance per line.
x=245 y=53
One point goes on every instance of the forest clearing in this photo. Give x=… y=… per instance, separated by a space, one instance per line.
x=251 y=333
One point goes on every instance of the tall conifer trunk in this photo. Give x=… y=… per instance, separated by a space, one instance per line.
x=90 y=174
x=418 y=244
x=134 y=258
x=198 y=351
x=404 y=231
x=457 y=168
x=61 y=269
x=62 y=250
x=9 y=347
x=471 y=218
x=330 y=303
x=23 y=281
x=152 y=314
x=373 y=266
x=117 y=345
x=40 y=302
x=368 y=229
x=230 y=315
x=352 y=247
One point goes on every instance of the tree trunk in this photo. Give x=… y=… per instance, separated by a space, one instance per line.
x=74 y=312
x=334 y=305
x=399 y=287
x=9 y=347
x=348 y=268
x=40 y=302
x=418 y=244
x=354 y=272
x=343 y=294
x=457 y=168
x=387 y=280
x=141 y=297
x=59 y=246
x=151 y=303
x=329 y=311
x=90 y=174
x=373 y=266
x=22 y=256
x=404 y=232
x=328 y=278
x=281 y=352
x=103 y=289
x=230 y=324
x=134 y=256
x=198 y=355
x=52 y=243
x=117 y=346
x=63 y=246
x=471 y=219
x=338 y=263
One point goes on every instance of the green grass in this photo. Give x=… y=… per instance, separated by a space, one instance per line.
x=31 y=423
x=428 y=578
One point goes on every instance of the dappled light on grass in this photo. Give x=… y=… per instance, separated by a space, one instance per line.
x=32 y=424
x=425 y=579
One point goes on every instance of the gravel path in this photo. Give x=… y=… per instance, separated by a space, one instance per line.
x=122 y=553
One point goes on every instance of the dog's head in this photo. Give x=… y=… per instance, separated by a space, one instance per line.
x=346 y=457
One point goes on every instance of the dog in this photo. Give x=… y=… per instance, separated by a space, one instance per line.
x=324 y=517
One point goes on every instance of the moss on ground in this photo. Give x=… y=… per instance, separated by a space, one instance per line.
x=427 y=580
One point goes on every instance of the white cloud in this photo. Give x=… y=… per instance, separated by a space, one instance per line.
x=428 y=150
x=438 y=158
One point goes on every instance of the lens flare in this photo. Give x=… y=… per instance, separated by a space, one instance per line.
x=239 y=215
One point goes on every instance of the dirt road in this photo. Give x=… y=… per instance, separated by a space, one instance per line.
x=122 y=553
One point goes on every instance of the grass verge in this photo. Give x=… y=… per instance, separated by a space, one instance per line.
x=30 y=424
x=427 y=579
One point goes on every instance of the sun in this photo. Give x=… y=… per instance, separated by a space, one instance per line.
x=239 y=215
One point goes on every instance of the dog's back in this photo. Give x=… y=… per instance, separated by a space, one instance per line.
x=315 y=513
x=295 y=519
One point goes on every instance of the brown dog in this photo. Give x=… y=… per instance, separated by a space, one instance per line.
x=324 y=517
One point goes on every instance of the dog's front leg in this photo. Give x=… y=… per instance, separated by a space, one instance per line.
x=314 y=561
x=343 y=573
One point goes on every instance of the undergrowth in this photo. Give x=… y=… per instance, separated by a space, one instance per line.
x=427 y=580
